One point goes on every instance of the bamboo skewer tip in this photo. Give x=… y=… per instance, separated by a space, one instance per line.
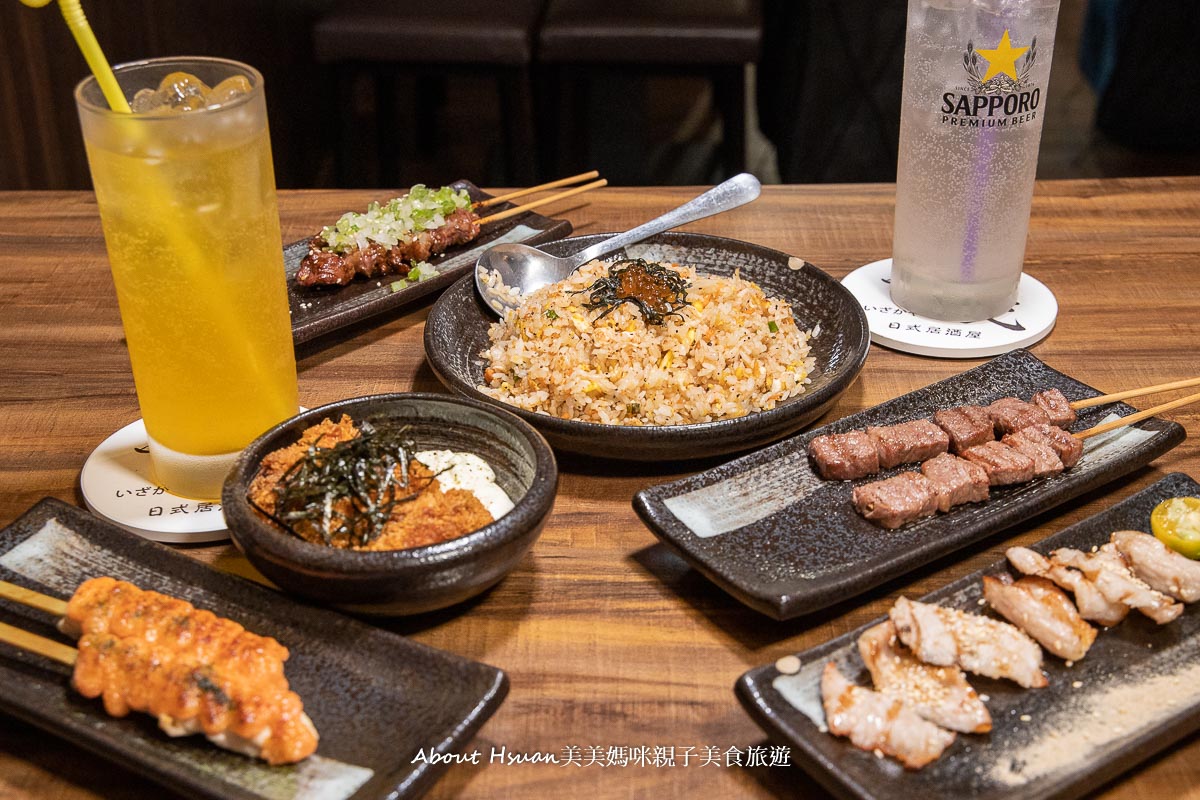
x=541 y=187
x=1145 y=390
x=1105 y=427
x=28 y=597
x=512 y=212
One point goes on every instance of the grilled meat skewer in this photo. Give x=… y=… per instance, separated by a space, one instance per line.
x=984 y=646
x=324 y=267
x=874 y=721
x=1038 y=607
x=940 y=694
x=195 y=672
x=856 y=454
x=1159 y=566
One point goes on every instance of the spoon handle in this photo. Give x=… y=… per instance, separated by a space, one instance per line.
x=738 y=190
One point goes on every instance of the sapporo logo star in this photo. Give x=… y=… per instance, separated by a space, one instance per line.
x=1003 y=59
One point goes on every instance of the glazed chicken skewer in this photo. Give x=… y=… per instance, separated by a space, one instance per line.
x=195 y=672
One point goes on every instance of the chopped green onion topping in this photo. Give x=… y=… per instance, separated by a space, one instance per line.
x=396 y=286
x=421 y=209
x=551 y=313
x=772 y=327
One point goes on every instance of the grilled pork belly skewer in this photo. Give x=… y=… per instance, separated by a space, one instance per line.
x=874 y=721
x=1104 y=573
x=195 y=672
x=1038 y=607
x=939 y=694
x=1159 y=566
x=1107 y=569
x=1089 y=600
x=984 y=646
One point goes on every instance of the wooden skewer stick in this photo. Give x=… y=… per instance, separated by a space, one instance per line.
x=504 y=198
x=512 y=212
x=37 y=644
x=1138 y=417
x=1113 y=398
x=28 y=597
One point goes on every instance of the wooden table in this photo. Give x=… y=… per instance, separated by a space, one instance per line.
x=609 y=639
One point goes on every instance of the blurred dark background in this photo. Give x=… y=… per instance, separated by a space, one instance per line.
x=392 y=92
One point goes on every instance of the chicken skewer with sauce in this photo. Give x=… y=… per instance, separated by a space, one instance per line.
x=193 y=671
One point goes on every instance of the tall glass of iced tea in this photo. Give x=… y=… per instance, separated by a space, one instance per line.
x=186 y=193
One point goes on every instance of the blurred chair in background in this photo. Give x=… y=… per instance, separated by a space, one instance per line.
x=583 y=42
x=384 y=38
x=1140 y=57
x=829 y=87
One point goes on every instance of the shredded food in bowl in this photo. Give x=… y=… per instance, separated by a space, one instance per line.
x=581 y=350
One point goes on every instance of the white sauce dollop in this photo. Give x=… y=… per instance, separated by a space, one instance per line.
x=467 y=471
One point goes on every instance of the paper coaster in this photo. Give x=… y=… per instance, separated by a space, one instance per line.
x=117 y=486
x=1029 y=320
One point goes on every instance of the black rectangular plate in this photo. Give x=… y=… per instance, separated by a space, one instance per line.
x=319 y=310
x=376 y=698
x=788 y=543
x=1135 y=694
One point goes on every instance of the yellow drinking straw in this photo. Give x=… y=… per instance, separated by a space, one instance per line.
x=187 y=249
x=73 y=13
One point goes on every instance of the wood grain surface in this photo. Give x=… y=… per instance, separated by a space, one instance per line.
x=609 y=639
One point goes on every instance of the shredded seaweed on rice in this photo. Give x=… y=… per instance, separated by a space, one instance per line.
x=721 y=350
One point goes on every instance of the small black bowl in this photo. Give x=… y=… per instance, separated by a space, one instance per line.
x=419 y=579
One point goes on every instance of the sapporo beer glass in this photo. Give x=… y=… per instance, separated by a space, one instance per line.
x=975 y=79
x=187 y=204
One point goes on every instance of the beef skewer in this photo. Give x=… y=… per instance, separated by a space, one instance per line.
x=845 y=456
x=193 y=671
x=386 y=240
x=849 y=455
x=1037 y=451
x=325 y=267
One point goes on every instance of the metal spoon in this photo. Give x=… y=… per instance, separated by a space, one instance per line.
x=527 y=269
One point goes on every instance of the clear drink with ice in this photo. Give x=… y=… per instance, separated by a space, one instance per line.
x=186 y=192
x=975 y=79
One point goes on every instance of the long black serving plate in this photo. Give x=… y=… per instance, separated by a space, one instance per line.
x=1135 y=694
x=377 y=699
x=319 y=310
x=769 y=531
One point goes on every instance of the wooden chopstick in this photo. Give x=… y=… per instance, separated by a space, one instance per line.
x=28 y=597
x=512 y=212
x=1138 y=417
x=541 y=187
x=1113 y=398
x=37 y=644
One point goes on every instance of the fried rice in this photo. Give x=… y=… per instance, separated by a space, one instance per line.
x=730 y=351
